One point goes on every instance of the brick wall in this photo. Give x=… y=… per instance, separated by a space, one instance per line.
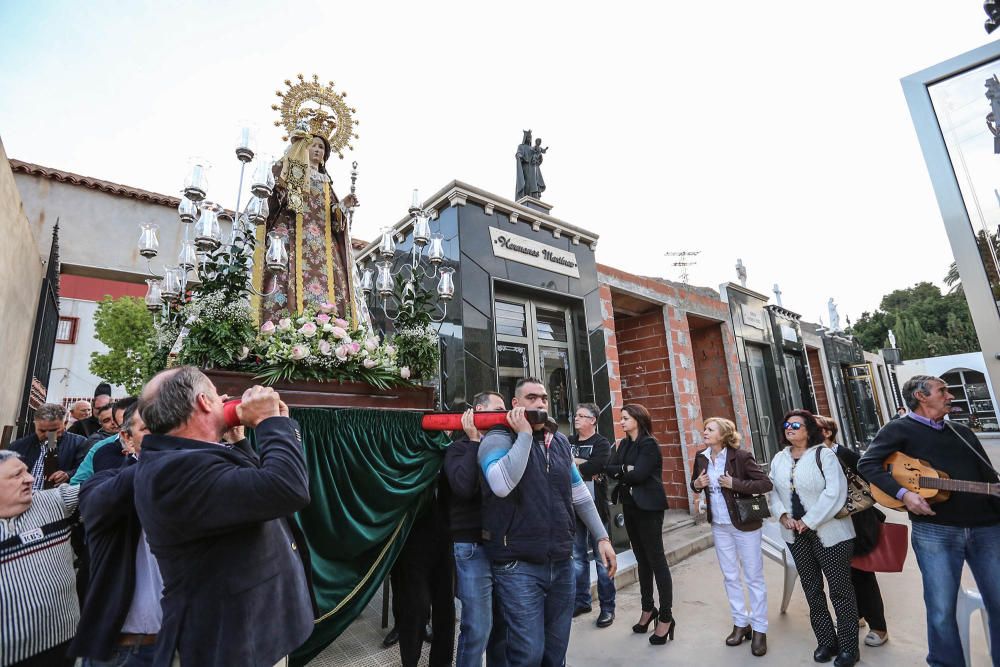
x=819 y=387
x=646 y=379
x=712 y=371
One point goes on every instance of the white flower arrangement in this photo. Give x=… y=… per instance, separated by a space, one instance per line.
x=314 y=345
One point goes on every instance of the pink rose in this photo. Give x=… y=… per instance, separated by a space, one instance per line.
x=267 y=328
x=284 y=324
x=341 y=352
x=371 y=344
x=322 y=318
x=355 y=347
x=308 y=329
x=300 y=351
x=369 y=363
x=339 y=332
x=325 y=348
x=342 y=323
x=404 y=372
x=327 y=307
x=390 y=350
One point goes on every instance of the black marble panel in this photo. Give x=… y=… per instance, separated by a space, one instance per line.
x=598 y=350
x=476 y=242
x=592 y=303
x=476 y=288
x=587 y=263
x=478 y=334
x=478 y=376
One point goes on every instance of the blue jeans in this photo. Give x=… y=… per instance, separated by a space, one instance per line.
x=481 y=631
x=125 y=656
x=605 y=586
x=537 y=604
x=941 y=551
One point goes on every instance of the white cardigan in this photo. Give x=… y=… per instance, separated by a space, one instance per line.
x=821 y=497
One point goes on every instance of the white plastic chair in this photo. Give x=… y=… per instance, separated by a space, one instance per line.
x=775 y=548
x=969 y=602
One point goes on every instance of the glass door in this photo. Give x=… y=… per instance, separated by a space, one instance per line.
x=766 y=442
x=862 y=393
x=533 y=340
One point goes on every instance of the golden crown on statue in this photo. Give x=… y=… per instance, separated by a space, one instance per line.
x=320 y=110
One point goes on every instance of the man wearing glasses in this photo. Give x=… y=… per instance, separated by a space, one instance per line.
x=531 y=500
x=591 y=452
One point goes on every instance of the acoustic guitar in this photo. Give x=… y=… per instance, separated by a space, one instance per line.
x=932 y=485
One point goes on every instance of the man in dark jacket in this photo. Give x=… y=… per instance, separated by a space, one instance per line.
x=50 y=420
x=591 y=452
x=481 y=629
x=121 y=615
x=532 y=496
x=235 y=583
x=946 y=535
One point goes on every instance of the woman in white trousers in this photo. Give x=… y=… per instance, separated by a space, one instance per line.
x=725 y=472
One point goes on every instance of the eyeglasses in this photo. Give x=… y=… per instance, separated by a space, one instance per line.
x=585 y=416
x=795 y=426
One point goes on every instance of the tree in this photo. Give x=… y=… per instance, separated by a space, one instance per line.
x=925 y=322
x=125 y=326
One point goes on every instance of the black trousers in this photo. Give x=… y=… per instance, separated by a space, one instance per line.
x=423 y=587
x=645 y=532
x=814 y=561
x=870 y=605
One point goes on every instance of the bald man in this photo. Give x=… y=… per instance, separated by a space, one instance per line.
x=217 y=518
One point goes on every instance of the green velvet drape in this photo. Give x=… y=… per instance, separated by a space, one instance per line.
x=368 y=471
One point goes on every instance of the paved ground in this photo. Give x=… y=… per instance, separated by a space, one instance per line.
x=703 y=622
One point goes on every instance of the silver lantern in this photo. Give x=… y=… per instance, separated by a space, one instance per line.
x=187 y=258
x=435 y=253
x=383 y=283
x=263 y=178
x=208 y=237
x=149 y=245
x=421 y=229
x=446 y=285
x=172 y=286
x=196 y=182
x=276 y=257
x=257 y=210
x=367 y=281
x=387 y=247
x=154 y=298
x=187 y=211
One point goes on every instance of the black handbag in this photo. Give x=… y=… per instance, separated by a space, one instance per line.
x=752 y=508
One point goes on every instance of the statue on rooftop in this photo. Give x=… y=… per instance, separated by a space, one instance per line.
x=529 y=173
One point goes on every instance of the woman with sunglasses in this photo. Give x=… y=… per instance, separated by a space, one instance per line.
x=867 y=526
x=723 y=470
x=637 y=464
x=809 y=489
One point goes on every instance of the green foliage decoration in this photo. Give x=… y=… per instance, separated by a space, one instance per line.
x=416 y=341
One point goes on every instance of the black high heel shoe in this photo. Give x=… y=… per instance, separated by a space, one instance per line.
x=657 y=640
x=643 y=628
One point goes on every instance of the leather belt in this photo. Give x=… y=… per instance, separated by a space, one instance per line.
x=130 y=639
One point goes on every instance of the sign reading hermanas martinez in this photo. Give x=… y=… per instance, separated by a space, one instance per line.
x=528 y=251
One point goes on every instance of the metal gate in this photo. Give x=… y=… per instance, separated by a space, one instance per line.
x=43 y=340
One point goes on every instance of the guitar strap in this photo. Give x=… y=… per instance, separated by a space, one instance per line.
x=974 y=450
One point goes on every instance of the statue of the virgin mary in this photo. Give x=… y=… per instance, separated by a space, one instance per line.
x=308 y=215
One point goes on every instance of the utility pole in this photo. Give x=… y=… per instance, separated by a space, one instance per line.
x=683 y=261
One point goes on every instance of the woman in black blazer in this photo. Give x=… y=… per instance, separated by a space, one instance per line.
x=637 y=464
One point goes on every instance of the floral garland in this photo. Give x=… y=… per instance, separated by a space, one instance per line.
x=316 y=346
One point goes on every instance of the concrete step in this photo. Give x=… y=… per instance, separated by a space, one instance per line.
x=683 y=537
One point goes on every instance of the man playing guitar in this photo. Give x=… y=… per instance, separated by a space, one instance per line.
x=963 y=528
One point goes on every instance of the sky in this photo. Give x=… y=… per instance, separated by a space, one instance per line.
x=772 y=132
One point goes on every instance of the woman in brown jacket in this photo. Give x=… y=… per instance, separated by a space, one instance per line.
x=725 y=472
